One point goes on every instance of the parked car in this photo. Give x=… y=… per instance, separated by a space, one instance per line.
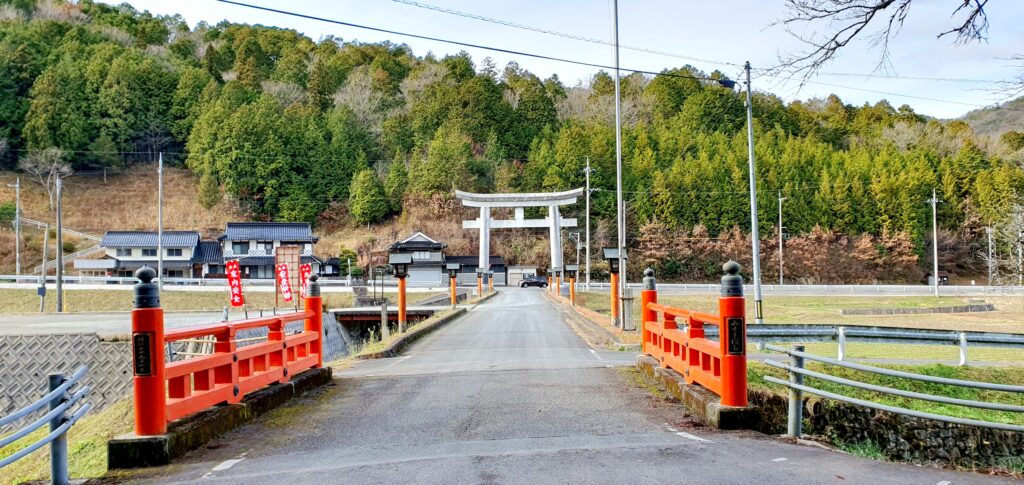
x=534 y=281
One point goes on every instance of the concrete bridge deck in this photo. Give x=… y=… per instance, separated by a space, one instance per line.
x=509 y=394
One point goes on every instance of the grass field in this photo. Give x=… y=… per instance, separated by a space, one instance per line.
x=1008 y=317
x=1010 y=375
x=26 y=301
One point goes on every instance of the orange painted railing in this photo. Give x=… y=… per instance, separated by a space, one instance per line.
x=165 y=391
x=675 y=337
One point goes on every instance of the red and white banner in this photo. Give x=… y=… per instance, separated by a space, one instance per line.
x=234 y=274
x=283 y=283
x=305 y=270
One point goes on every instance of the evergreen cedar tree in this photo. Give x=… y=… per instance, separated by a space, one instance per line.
x=288 y=127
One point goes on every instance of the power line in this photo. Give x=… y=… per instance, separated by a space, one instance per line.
x=572 y=61
x=460 y=43
x=562 y=34
x=671 y=54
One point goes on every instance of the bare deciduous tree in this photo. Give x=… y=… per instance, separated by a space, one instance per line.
x=830 y=25
x=47 y=165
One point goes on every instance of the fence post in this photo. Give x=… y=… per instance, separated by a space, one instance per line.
x=648 y=294
x=149 y=386
x=226 y=314
x=59 y=445
x=385 y=332
x=842 y=344
x=963 y=348
x=732 y=331
x=796 y=398
x=314 y=303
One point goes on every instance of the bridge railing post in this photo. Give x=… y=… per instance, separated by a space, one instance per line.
x=149 y=387
x=733 y=337
x=649 y=294
x=314 y=304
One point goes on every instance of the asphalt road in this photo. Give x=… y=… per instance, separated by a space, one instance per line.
x=509 y=394
x=104 y=324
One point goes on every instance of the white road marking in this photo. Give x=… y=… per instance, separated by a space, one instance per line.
x=944 y=482
x=592 y=351
x=673 y=430
x=690 y=436
x=780 y=459
x=226 y=464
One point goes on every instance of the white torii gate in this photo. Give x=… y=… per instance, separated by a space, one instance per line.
x=554 y=222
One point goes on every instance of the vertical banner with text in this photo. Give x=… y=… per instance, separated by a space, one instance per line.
x=304 y=271
x=283 y=282
x=234 y=274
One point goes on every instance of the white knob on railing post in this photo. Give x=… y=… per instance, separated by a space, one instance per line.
x=841 y=354
x=963 y=348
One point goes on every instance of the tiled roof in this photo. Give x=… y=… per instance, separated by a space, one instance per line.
x=148 y=239
x=269 y=260
x=269 y=231
x=208 y=252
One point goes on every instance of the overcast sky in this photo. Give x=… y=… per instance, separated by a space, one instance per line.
x=727 y=31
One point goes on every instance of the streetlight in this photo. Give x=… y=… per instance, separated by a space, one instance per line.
x=453 y=273
x=400 y=264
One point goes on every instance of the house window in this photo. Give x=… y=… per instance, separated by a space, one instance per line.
x=124 y=252
x=171 y=252
x=175 y=273
x=216 y=269
x=421 y=255
x=240 y=247
x=149 y=252
x=266 y=246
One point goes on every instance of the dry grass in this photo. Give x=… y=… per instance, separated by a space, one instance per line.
x=87 y=446
x=1008 y=317
x=26 y=301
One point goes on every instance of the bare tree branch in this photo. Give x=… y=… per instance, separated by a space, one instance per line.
x=46 y=165
x=842 y=21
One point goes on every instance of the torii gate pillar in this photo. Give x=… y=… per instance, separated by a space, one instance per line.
x=554 y=222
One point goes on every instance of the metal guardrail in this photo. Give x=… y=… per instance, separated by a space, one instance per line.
x=841 y=334
x=60 y=400
x=797 y=387
x=43 y=225
x=836 y=290
x=67 y=259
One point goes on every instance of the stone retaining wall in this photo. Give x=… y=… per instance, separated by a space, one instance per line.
x=899 y=437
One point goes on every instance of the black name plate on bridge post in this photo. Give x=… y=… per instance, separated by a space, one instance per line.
x=142 y=354
x=737 y=344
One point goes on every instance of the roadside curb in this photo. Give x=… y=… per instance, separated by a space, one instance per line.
x=420 y=331
x=591 y=321
x=191 y=432
x=704 y=405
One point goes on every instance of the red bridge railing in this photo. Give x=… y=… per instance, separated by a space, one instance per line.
x=676 y=337
x=165 y=391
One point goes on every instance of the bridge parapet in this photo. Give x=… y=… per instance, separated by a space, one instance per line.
x=164 y=392
x=676 y=338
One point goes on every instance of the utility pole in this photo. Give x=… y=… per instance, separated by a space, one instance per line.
x=991 y=268
x=1020 y=257
x=934 y=201
x=17 y=225
x=588 y=224
x=60 y=247
x=754 y=236
x=348 y=265
x=160 y=222
x=620 y=204
x=781 y=198
x=42 y=273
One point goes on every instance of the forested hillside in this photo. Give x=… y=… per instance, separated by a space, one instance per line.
x=338 y=132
